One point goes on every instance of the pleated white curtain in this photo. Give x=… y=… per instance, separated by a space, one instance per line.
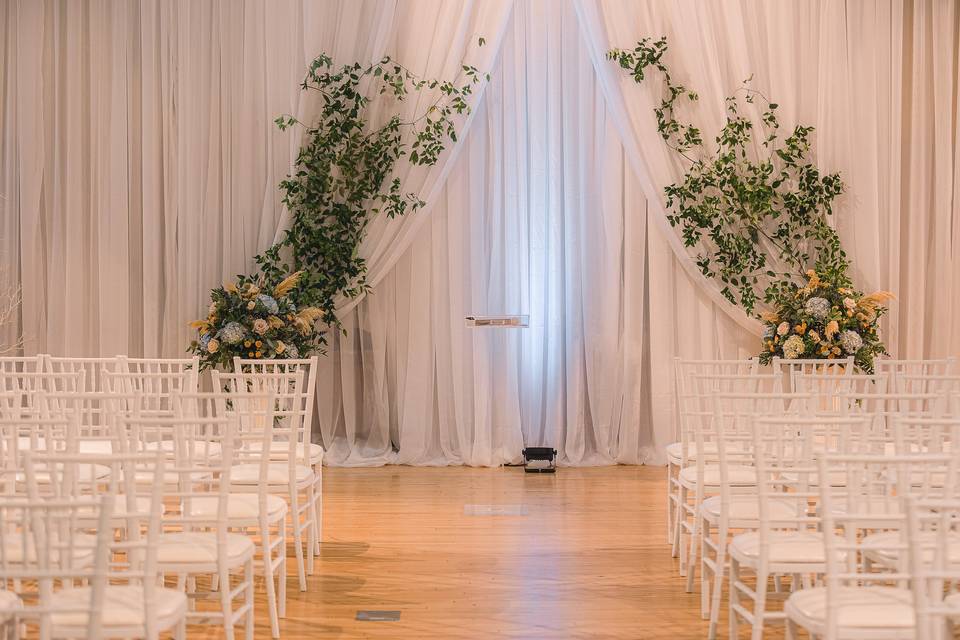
x=540 y=215
x=139 y=164
x=139 y=161
x=878 y=80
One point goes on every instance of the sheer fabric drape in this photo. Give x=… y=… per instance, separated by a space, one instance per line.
x=540 y=215
x=139 y=164
x=878 y=80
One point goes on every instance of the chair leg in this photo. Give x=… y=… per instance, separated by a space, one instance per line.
x=705 y=576
x=734 y=621
x=283 y=571
x=248 y=600
x=311 y=529
x=669 y=502
x=226 y=604
x=791 y=631
x=677 y=549
x=318 y=494
x=721 y=558
x=271 y=588
x=180 y=631
x=692 y=553
x=759 y=606
x=296 y=523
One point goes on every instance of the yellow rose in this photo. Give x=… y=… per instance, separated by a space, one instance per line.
x=280 y=348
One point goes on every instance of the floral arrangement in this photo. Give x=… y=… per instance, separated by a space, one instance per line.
x=825 y=319
x=246 y=321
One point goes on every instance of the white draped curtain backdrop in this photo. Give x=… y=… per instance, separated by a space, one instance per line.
x=139 y=167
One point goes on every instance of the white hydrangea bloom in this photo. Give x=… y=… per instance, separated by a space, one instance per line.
x=851 y=341
x=793 y=347
x=817 y=307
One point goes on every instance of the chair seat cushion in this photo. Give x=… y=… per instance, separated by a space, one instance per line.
x=790 y=547
x=239 y=506
x=837 y=478
x=9 y=604
x=201 y=547
x=858 y=608
x=82 y=549
x=200 y=447
x=747 y=508
x=737 y=474
x=276 y=473
x=675 y=451
x=123 y=606
x=279 y=450
x=881 y=547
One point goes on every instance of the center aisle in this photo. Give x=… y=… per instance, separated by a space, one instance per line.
x=588 y=560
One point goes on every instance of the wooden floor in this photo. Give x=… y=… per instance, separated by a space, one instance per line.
x=588 y=560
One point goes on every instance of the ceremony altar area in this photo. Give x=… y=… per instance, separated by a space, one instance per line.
x=290 y=290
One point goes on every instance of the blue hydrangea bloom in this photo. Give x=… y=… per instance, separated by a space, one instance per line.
x=232 y=333
x=292 y=352
x=269 y=303
x=205 y=340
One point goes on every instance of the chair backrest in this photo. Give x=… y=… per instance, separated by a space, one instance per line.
x=95 y=414
x=45 y=544
x=155 y=388
x=92 y=368
x=731 y=429
x=683 y=372
x=32 y=383
x=21 y=364
x=896 y=369
x=22 y=435
x=790 y=368
x=933 y=536
x=309 y=365
x=289 y=407
x=926 y=383
x=925 y=434
x=871 y=500
x=828 y=387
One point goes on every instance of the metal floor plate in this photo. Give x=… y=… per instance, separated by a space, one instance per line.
x=495 y=510
x=378 y=616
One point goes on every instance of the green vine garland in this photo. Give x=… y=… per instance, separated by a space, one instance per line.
x=734 y=200
x=343 y=176
x=757 y=200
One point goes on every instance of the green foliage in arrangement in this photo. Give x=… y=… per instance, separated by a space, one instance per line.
x=753 y=196
x=754 y=208
x=344 y=176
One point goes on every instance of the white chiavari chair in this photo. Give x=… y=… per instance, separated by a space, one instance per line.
x=860 y=599
x=45 y=544
x=701 y=478
x=787 y=541
x=735 y=506
x=315 y=452
x=196 y=539
x=933 y=537
x=682 y=452
x=291 y=474
x=134 y=604
x=32 y=384
x=250 y=505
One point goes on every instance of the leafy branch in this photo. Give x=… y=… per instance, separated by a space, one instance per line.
x=344 y=173
x=753 y=205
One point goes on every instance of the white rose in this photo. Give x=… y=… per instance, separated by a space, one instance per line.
x=783 y=329
x=213 y=346
x=849 y=303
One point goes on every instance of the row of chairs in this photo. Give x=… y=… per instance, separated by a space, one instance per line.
x=233 y=471
x=749 y=463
